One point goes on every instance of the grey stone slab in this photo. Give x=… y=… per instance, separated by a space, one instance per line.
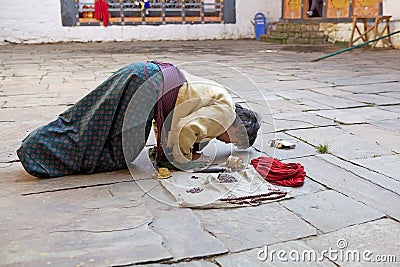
x=295 y=253
x=309 y=187
x=302 y=149
x=250 y=227
x=366 y=80
x=394 y=93
x=372 y=99
x=357 y=115
x=386 y=165
x=317 y=100
x=337 y=210
x=394 y=108
x=372 y=88
x=330 y=91
x=351 y=185
x=296 y=84
x=385 y=138
x=392 y=125
x=74 y=248
x=341 y=143
x=289 y=121
x=367 y=174
x=280 y=106
x=195 y=263
x=179 y=236
x=26 y=184
x=49 y=99
x=31 y=114
x=76 y=226
x=360 y=245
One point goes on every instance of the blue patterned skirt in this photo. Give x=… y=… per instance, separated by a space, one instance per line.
x=88 y=137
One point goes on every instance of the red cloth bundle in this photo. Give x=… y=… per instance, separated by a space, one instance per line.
x=278 y=173
x=101 y=11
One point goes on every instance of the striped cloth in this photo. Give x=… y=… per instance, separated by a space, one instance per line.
x=173 y=79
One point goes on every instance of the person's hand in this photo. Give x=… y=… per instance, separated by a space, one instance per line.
x=200 y=157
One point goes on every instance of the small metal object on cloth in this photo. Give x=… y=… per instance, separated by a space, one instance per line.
x=235 y=163
x=163 y=173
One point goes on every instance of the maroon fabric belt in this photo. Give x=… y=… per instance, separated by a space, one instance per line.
x=173 y=79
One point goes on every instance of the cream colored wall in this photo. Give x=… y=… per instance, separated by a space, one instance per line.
x=392 y=7
x=21 y=23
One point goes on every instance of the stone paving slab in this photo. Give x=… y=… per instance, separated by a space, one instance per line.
x=367 y=174
x=382 y=137
x=295 y=254
x=373 y=99
x=264 y=225
x=183 y=238
x=341 y=143
x=385 y=165
x=356 y=115
x=395 y=108
x=381 y=88
x=367 y=241
x=351 y=185
x=292 y=121
x=366 y=79
x=26 y=184
x=337 y=210
x=82 y=225
x=317 y=100
x=392 y=125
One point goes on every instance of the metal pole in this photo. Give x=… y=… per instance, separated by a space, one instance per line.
x=353 y=47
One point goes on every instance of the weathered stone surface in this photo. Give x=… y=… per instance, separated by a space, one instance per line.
x=386 y=165
x=352 y=185
x=372 y=99
x=228 y=225
x=365 y=81
x=367 y=241
x=291 y=121
x=25 y=184
x=183 y=238
x=357 y=115
x=198 y=263
x=372 y=88
x=385 y=138
x=372 y=176
x=330 y=91
x=395 y=108
x=341 y=143
x=295 y=254
x=319 y=101
x=330 y=211
x=76 y=226
x=392 y=125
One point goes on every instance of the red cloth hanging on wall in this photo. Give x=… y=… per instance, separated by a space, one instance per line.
x=278 y=173
x=101 y=11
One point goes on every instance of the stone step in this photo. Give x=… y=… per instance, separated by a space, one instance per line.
x=295 y=33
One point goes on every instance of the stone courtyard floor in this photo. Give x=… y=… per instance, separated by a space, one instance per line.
x=347 y=212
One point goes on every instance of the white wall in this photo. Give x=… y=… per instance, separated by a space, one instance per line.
x=40 y=21
x=392 y=7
